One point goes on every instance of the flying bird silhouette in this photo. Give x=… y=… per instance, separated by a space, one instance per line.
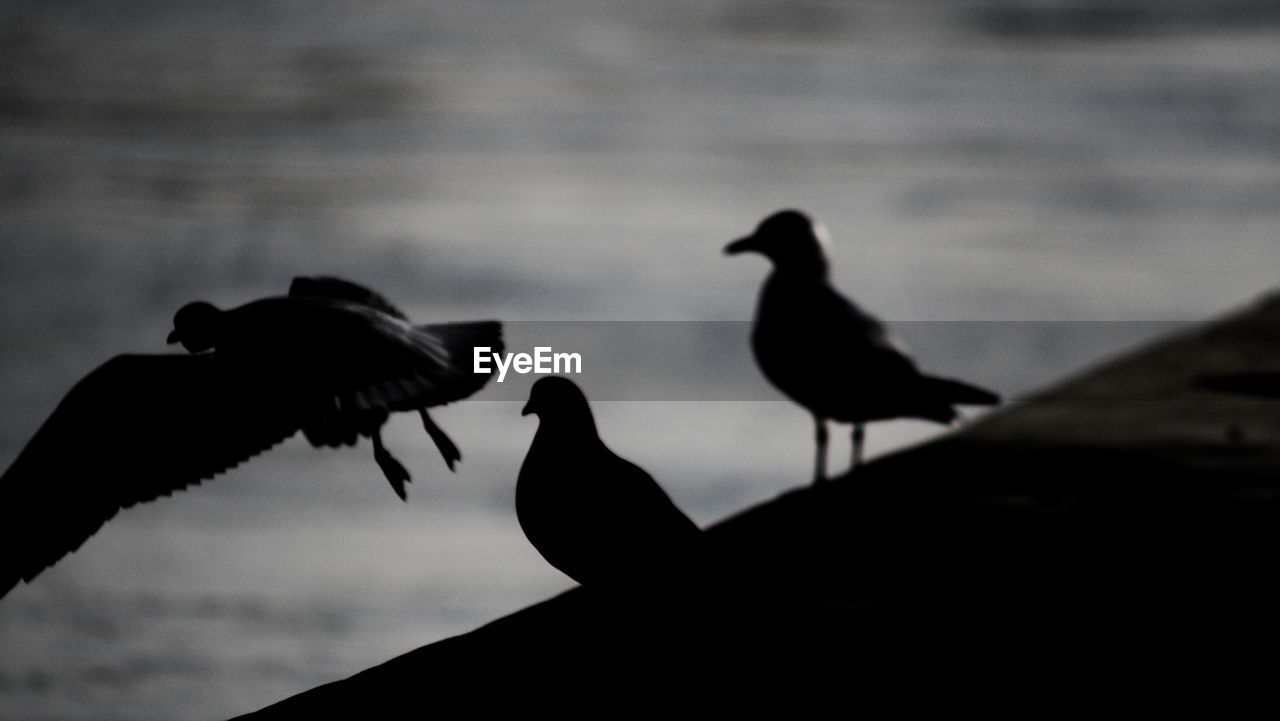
x=828 y=355
x=332 y=359
x=597 y=517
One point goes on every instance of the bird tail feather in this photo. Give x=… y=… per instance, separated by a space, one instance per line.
x=962 y=393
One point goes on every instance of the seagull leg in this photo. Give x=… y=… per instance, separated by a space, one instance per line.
x=820 y=462
x=447 y=449
x=858 y=435
x=396 y=474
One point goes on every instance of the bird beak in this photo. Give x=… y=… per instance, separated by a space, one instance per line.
x=741 y=245
x=173 y=337
x=528 y=408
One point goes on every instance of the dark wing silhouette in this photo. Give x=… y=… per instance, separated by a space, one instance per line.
x=323 y=286
x=647 y=524
x=857 y=335
x=136 y=428
x=869 y=364
x=400 y=367
x=422 y=366
x=826 y=354
x=456 y=380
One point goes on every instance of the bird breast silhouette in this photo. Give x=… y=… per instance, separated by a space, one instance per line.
x=331 y=359
x=595 y=516
x=825 y=353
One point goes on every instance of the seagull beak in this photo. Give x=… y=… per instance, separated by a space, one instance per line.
x=173 y=337
x=741 y=245
x=528 y=408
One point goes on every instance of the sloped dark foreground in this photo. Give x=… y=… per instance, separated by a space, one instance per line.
x=1114 y=539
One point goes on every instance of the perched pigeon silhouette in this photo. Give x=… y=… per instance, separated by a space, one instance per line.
x=825 y=353
x=331 y=359
x=595 y=516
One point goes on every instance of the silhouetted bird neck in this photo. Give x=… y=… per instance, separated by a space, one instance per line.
x=802 y=269
x=574 y=430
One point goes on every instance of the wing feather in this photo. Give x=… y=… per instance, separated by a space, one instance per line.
x=322 y=286
x=136 y=428
x=420 y=366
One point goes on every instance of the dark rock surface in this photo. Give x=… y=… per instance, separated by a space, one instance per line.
x=1113 y=539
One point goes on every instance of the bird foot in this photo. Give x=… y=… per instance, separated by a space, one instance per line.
x=447 y=448
x=450 y=452
x=395 y=472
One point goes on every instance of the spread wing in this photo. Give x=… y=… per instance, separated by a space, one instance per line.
x=323 y=286
x=454 y=378
x=402 y=366
x=136 y=428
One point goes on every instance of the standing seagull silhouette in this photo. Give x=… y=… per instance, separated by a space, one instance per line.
x=332 y=359
x=825 y=353
x=599 y=518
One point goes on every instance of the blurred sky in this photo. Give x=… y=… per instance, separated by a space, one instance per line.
x=1043 y=178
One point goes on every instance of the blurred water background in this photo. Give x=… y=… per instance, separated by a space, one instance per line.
x=1023 y=186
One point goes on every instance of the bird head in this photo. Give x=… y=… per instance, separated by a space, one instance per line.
x=558 y=400
x=788 y=238
x=197 y=326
